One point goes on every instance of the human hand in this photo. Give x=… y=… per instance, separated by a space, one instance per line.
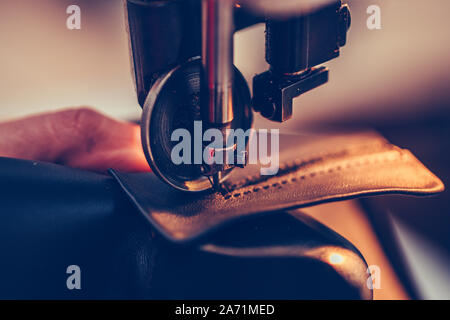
x=80 y=138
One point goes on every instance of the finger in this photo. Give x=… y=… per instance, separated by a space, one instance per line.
x=115 y=145
x=81 y=138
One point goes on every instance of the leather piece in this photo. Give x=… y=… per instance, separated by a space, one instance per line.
x=287 y=255
x=313 y=169
x=53 y=216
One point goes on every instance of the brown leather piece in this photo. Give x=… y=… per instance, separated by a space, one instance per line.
x=313 y=169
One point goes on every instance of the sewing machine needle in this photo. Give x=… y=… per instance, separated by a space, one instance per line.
x=216 y=181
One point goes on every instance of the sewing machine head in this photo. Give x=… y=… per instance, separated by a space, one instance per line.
x=185 y=77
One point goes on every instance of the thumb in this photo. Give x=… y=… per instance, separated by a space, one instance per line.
x=81 y=138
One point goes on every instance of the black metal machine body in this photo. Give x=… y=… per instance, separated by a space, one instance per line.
x=182 y=54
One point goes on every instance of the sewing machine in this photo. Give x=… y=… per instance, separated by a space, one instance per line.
x=132 y=236
x=182 y=54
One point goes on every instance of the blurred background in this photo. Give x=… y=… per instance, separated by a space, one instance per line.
x=401 y=70
x=395 y=80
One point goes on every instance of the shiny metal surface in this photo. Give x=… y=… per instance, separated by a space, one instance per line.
x=172 y=103
x=217 y=59
x=149 y=132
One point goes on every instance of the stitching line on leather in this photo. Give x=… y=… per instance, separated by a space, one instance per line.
x=295 y=164
x=295 y=170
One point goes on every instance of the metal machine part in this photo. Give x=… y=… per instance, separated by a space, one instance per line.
x=174 y=102
x=175 y=89
x=217 y=59
x=294 y=47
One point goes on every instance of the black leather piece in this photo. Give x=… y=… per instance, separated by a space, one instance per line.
x=53 y=216
x=313 y=169
x=280 y=256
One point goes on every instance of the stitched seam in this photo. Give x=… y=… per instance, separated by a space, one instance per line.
x=298 y=177
x=294 y=165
